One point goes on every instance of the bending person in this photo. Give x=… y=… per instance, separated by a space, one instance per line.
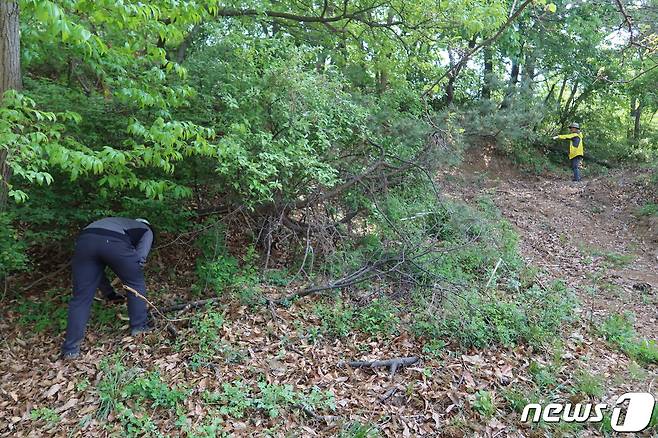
x=123 y=244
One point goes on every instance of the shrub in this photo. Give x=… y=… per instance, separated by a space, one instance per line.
x=47 y=414
x=12 y=249
x=236 y=399
x=337 y=320
x=44 y=313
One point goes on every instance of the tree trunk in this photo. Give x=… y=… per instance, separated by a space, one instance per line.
x=637 y=112
x=513 y=80
x=558 y=103
x=529 y=73
x=10 y=77
x=488 y=73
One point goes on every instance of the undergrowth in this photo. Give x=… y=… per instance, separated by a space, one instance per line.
x=480 y=319
x=619 y=331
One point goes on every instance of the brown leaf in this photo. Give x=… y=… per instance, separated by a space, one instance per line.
x=53 y=390
x=69 y=404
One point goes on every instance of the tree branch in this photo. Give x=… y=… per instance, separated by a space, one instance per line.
x=479 y=47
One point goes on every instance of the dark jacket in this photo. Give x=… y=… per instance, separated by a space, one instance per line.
x=137 y=233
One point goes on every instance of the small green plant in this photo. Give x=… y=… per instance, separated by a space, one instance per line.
x=47 y=414
x=274 y=397
x=137 y=425
x=236 y=399
x=649 y=209
x=484 y=404
x=618 y=329
x=543 y=375
x=636 y=372
x=82 y=384
x=359 y=430
x=210 y=428
x=150 y=388
x=277 y=277
x=12 y=248
x=222 y=272
x=337 y=320
x=105 y=317
x=44 y=313
x=434 y=347
x=378 y=318
x=115 y=377
x=479 y=320
x=216 y=269
x=588 y=384
x=206 y=328
x=517 y=399
x=610 y=258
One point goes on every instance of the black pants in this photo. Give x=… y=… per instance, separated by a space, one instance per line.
x=93 y=252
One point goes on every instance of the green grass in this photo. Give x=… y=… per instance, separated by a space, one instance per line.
x=359 y=430
x=240 y=400
x=648 y=209
x=475 y=319
x=44 y=313
x=619 y=331
x=588 y=384
x=378 y=319
x=610 y=258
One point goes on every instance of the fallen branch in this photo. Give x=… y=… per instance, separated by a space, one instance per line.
x=183 y=307
x=388 y=394
x=392 y=364
x=169 y=326
x=493 y=273
x=46 y=277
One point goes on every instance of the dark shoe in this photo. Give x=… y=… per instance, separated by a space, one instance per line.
x=70 y=355
x=140 y=330
x=115 y=298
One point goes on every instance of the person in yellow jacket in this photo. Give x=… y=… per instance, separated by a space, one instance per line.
x=576 y=148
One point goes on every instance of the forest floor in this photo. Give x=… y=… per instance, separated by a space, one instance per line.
x=266 y=372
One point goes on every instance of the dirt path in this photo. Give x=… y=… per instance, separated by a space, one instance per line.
x=589 y=234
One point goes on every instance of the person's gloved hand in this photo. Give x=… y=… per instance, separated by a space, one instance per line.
x=555 y=138
x=142 y=262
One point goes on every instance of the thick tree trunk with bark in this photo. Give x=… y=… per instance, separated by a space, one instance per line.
x=10 y=76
